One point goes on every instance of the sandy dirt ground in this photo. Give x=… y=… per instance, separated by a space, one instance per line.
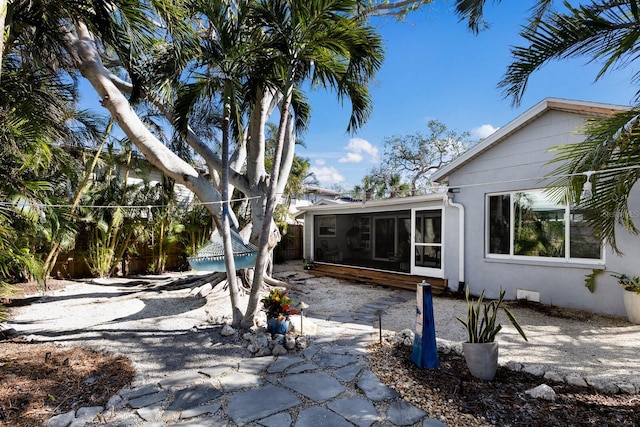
x=102 y=314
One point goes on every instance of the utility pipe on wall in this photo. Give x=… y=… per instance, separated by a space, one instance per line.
x=460 y=241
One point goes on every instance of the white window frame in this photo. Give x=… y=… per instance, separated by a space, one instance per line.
x=329 y=218
x=511 y=256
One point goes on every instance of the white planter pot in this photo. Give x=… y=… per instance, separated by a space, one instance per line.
x=632 y=305
x=482 y=359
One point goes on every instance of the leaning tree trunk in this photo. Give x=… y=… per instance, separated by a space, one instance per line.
x=87 y=58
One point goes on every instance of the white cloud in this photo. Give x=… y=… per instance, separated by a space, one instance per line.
x=320 y=162
x=357 y=149
x=351 y=158
x=483 y=131
x=327 y=174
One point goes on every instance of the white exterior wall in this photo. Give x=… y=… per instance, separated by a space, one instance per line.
x=517 y=163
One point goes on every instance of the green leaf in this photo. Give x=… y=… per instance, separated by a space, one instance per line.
x=590 y=279
x=515 y=323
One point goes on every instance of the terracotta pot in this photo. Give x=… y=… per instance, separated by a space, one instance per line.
x=632 y=305
x=482 y=359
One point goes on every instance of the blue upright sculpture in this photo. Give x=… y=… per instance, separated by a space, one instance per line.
x=425 y=351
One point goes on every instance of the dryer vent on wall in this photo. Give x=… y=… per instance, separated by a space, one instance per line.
x=528 y=295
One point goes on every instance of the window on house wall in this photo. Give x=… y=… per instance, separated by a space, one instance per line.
x=326 y=225
x=529 y=224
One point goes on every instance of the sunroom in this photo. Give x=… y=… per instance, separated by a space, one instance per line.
x=400 y=239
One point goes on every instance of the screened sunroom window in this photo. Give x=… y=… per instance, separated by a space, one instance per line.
x=529 y=224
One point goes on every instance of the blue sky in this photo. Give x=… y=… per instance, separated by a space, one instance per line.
x=436 y=69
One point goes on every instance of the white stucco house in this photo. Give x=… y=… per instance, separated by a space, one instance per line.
x=494 y=228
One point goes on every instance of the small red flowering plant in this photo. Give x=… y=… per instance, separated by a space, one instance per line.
x=278 y=305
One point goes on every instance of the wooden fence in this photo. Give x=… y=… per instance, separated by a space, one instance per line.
x=73 y=265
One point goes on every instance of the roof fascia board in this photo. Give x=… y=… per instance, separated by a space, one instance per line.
x=399 y=202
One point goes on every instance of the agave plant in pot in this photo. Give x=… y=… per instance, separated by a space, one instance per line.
x=481 y=349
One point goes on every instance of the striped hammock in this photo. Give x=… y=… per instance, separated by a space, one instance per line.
x=211 y=256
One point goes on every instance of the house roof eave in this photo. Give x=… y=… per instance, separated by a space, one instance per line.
x=593 y=109
x=372 y=204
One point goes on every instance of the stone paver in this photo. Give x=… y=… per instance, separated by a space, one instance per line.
x=151 y=412
x=218 y=370
x=318 y=387
x=341 y=349
x=267 y=390
x=320 y=417
x=277 y=420
x=239 y=380
x=334 y=360
x=358 y=410
x=311 y=351
x=62 y=420
x=302 y=368
x=193 y=396
x=404 y=414
x=180 y=380
x=209 y=422
x=255 y=364
x=143 y=391
x=260 y=403
x=148 y=399
x=283 y=363
x=374 y=388
x=348 y=373
x=201 y=410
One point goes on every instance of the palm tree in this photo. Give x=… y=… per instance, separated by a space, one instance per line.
x=473 y=12
x=38 y=113
x=226 y=56
x=606 y=31
x=318 y=41
x=299 y=176
x=38 y=98
x=397 y=188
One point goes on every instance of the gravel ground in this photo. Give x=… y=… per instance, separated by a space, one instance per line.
x=566 y=341
x=157 y=323
x=562 y=340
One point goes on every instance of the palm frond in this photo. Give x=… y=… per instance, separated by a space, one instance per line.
x=611 y=150
x=602 y=31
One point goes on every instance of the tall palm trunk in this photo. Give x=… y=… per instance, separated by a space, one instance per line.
x=229 y=262
x=265 y=232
